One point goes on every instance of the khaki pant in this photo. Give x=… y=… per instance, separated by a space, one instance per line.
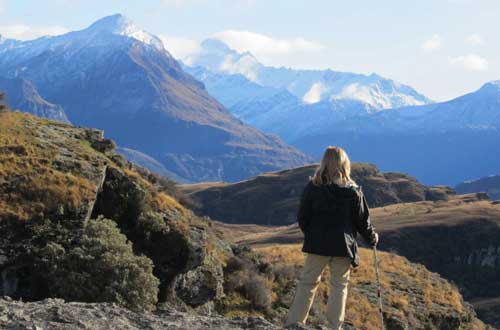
x=340 y=269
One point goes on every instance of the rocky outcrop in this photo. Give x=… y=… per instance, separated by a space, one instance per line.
x=74 y=174
x=273 y=198
x=55 y=314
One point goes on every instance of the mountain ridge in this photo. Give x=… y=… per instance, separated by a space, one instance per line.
x=310 y=86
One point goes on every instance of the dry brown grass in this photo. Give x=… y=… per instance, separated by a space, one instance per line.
x=162 y=202
x=457 y=210
x=404 y=284
x=34 y=186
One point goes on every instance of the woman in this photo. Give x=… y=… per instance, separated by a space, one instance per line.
x=332 y=211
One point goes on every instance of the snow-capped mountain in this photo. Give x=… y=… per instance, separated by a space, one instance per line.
x=310 y=86
x=442 y=143
x=117 y=77
x=479 y=110
x=230 y=89
x=287 y=116
x=105 y=31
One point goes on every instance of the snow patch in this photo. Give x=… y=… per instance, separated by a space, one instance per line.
x=314 y=94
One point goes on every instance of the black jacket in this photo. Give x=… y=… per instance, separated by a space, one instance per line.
x=330 y=216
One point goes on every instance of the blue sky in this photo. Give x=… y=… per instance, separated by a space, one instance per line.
x=443 y=48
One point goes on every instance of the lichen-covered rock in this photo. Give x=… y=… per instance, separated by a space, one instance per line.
x=201 y=284
x=55 y=314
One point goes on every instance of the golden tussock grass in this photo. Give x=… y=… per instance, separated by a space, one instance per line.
x=26 y=164
x=403 y=283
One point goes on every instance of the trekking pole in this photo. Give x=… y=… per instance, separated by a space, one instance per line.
x=379 y=290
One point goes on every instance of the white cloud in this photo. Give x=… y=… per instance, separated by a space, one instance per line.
x=26 y=32
x=432 y=44
x=474 y=40
x=470 y=62
x=264 y=46
x=180 y=48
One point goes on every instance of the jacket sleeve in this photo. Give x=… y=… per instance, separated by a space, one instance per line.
x=362 y=219
x=304 y=212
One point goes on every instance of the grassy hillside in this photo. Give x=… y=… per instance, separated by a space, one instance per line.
x=457 y=238
x=277 y=194
x=414 y=298
x=36 y=171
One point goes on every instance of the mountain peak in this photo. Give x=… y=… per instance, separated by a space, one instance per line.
x=119 y=24
x=492 y=87
x=216 y=45
x=116 y=23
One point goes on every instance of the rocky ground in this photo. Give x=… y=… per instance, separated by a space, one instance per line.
x=55 y=314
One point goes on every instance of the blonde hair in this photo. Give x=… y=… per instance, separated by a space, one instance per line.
x=335 y=167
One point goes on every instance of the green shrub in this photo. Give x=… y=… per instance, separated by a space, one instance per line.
x=97 y=266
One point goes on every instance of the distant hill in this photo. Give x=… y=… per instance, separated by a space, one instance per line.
x=116 y=77
x=489 y=184
x=277 y=194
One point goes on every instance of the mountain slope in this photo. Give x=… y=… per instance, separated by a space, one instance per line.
x=22 y=95
x=310 y=86
x=115 y=77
